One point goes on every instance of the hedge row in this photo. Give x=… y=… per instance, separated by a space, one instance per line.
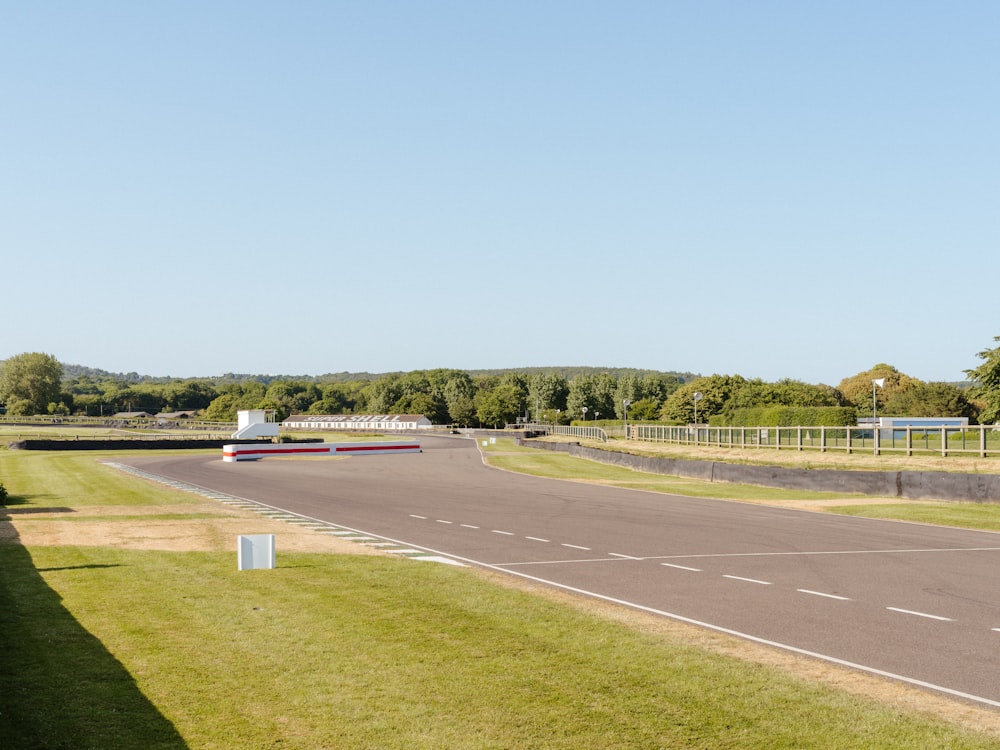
x=788 y=416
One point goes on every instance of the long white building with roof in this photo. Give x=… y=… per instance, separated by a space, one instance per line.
x=357 y=422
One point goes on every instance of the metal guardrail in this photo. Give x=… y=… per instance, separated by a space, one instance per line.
x=981 y=440
x=590 y=433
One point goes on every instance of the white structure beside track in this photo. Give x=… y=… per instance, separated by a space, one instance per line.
x=357 y=422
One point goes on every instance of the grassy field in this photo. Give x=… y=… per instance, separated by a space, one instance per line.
x=105 y=647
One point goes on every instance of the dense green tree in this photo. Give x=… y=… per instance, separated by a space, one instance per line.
x=596 y=392
x=29 y=382
x=459 y=394
x=930 y=400
x=500 y=405
x=645 y=410
x=383 y=393
x=858 y=390
x=547 y=391
x=188 y=395
x=986 y=383
x=715 y=390
x=232 y=398
x=753 y=394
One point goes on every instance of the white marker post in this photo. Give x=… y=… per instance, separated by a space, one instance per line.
x=255 y=552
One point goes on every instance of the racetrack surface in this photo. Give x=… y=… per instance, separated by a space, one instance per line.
x=916 y=602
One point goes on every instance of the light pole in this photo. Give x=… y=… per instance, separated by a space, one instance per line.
x=626 y=403
x=880 y=383
x=697 y=397
x=584 y=410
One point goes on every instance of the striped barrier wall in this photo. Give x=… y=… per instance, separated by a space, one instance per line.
x=254 y=452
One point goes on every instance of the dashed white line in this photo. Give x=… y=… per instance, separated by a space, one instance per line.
x=576 y=546
x=920 y=614
x=681 y=567
x=536 y=539
x=468 y=526
x=414 y=515
x=443 y=521
x=505 y=533
x=748 y=580
x=820 y=593
x=624 y=557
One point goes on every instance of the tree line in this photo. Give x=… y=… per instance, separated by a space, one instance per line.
x=36 y=383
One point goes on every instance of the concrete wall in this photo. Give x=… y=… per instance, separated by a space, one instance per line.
x=911 y=485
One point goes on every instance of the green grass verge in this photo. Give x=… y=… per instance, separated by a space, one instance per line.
x=983 y=516
x=563 y=466
x=127 y=649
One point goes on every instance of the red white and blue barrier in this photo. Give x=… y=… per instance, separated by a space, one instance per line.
x=255 y=452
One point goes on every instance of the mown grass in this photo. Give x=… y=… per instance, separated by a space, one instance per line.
x=182 y=650
x=563 y=466
x=112 y=648
x=984 y=516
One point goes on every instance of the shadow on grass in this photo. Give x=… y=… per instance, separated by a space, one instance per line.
x=22 y=500
x=59 y=685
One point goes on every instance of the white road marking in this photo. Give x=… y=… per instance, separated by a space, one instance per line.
x=505 y=533
x=920 y=614
x=576 y=546
x=626 y=557
x=830 y=552
x=681 y=567
x=536 y=539
x=441 y=521
x=748 y=580
x=820 y=593
x=468 y=526
x=414 y=515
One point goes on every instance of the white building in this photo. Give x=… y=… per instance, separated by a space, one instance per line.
x=357 y=422
x=255 y=423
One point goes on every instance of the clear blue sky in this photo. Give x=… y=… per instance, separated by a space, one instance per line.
x=772 y=189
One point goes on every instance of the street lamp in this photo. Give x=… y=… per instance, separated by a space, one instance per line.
x=880 y=382
x=584 y=410
x=626 y=403
x=697 y=397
